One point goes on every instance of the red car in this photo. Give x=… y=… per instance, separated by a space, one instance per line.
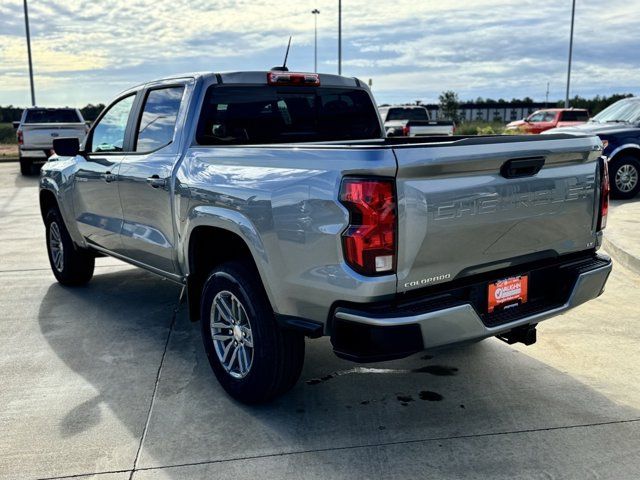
x=542 y=120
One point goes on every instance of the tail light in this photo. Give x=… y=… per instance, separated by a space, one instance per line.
x=369 y=242
x=289 y=78
x=406 y=130
x=604 y=193
x=20 y=137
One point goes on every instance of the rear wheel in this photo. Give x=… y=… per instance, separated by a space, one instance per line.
x=624 y=175
x=252 y=357
x=26 y=166
x=70 y=265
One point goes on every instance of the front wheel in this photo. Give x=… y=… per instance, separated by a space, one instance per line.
x=251 y=356
x=624 y=175
x=70 y=266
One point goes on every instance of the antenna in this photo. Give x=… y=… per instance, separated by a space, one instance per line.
x=284 y=68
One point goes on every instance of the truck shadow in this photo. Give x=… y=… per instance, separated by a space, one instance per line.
x=113 y=333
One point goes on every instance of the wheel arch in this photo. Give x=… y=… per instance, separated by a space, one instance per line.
x=209 y=244
x=626 y=149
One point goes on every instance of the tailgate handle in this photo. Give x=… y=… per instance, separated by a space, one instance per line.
x=521 y=167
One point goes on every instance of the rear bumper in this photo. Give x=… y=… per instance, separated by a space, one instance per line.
x=389 y=333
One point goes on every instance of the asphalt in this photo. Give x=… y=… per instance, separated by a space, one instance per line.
x=110 y=381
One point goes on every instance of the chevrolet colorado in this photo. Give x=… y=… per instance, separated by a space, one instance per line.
x=276 y=200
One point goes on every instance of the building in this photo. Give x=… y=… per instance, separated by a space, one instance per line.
x=492 y=112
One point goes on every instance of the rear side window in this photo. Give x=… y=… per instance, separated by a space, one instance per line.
x=575 y=116
x=270 y=114
x=52 y=115
x=407 y=114
x=158 y=119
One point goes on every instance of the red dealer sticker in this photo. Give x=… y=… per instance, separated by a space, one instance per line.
x=511 y=290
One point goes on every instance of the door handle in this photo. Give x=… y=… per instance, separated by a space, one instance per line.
x=522 y=167
x=108 y=177
x=156 y=182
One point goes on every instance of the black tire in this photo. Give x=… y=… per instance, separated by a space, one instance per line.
x=277 y=355
x=74 y=266
x=26 y=166
x=624 y=177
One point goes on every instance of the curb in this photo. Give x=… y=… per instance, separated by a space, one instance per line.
x=8 y=159
x=620 y=255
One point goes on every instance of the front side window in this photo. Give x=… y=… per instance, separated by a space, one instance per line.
x=158 y=120
x=108 y=134
x=536 y=117
x=249 y=115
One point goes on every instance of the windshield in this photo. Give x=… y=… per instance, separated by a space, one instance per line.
x=407 y=114
x=52 y=115
x=621 y=111
x=259 y=114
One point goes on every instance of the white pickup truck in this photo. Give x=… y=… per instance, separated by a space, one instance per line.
x=413 y=121
x=39 y=126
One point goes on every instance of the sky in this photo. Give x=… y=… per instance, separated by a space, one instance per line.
x=88 y=51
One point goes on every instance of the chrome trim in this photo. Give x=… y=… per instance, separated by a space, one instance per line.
x=461 y=323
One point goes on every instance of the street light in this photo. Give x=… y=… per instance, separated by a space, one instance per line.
x=339 y=37
x=26 y=22
x=315 y=12
x=573 y=14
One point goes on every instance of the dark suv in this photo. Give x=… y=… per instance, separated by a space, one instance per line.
x=618 y=126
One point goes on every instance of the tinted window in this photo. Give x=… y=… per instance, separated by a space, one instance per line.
x=52 y=115
x=407 y=114
x=108 y=134
x=158 y=119
x=575 y=116
x=261 y=114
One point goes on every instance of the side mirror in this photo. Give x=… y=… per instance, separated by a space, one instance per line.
x=526 y=120
x=15 y=125
x=66 y=147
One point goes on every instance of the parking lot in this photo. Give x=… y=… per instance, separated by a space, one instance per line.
x=111 y=380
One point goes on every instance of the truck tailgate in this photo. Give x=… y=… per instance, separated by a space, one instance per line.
x=41 y=135
x=459 y=216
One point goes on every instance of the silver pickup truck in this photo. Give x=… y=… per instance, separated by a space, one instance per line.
x=276 y=200
x=37 y=129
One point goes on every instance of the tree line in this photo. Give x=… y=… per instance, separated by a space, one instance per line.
x=12 y=114
x=450 y=104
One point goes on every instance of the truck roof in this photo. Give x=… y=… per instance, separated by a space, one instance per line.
x=255 y=78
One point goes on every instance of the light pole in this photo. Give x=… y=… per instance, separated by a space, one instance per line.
x=339 y=37
x=26 y=22
x=573 y=14
x=315 y=12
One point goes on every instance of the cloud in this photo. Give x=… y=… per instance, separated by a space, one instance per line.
x=87 y=51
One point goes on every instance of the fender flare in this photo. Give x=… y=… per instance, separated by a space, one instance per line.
x=626 y=146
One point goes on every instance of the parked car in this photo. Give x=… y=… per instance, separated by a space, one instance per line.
x=412 y=121
x=37 y=129
x=618 y=126
x=276 y=199
x=542 y=120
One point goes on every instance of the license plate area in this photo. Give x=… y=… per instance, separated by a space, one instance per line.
x=507 y=293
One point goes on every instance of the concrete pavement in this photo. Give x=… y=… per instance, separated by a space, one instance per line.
x=622 y=238
x=111 y=381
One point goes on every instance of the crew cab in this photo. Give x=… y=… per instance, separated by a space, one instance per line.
x=618 y=126
x=412 y=121
x=37 y=129
x=542 y=120
x=277 y=201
